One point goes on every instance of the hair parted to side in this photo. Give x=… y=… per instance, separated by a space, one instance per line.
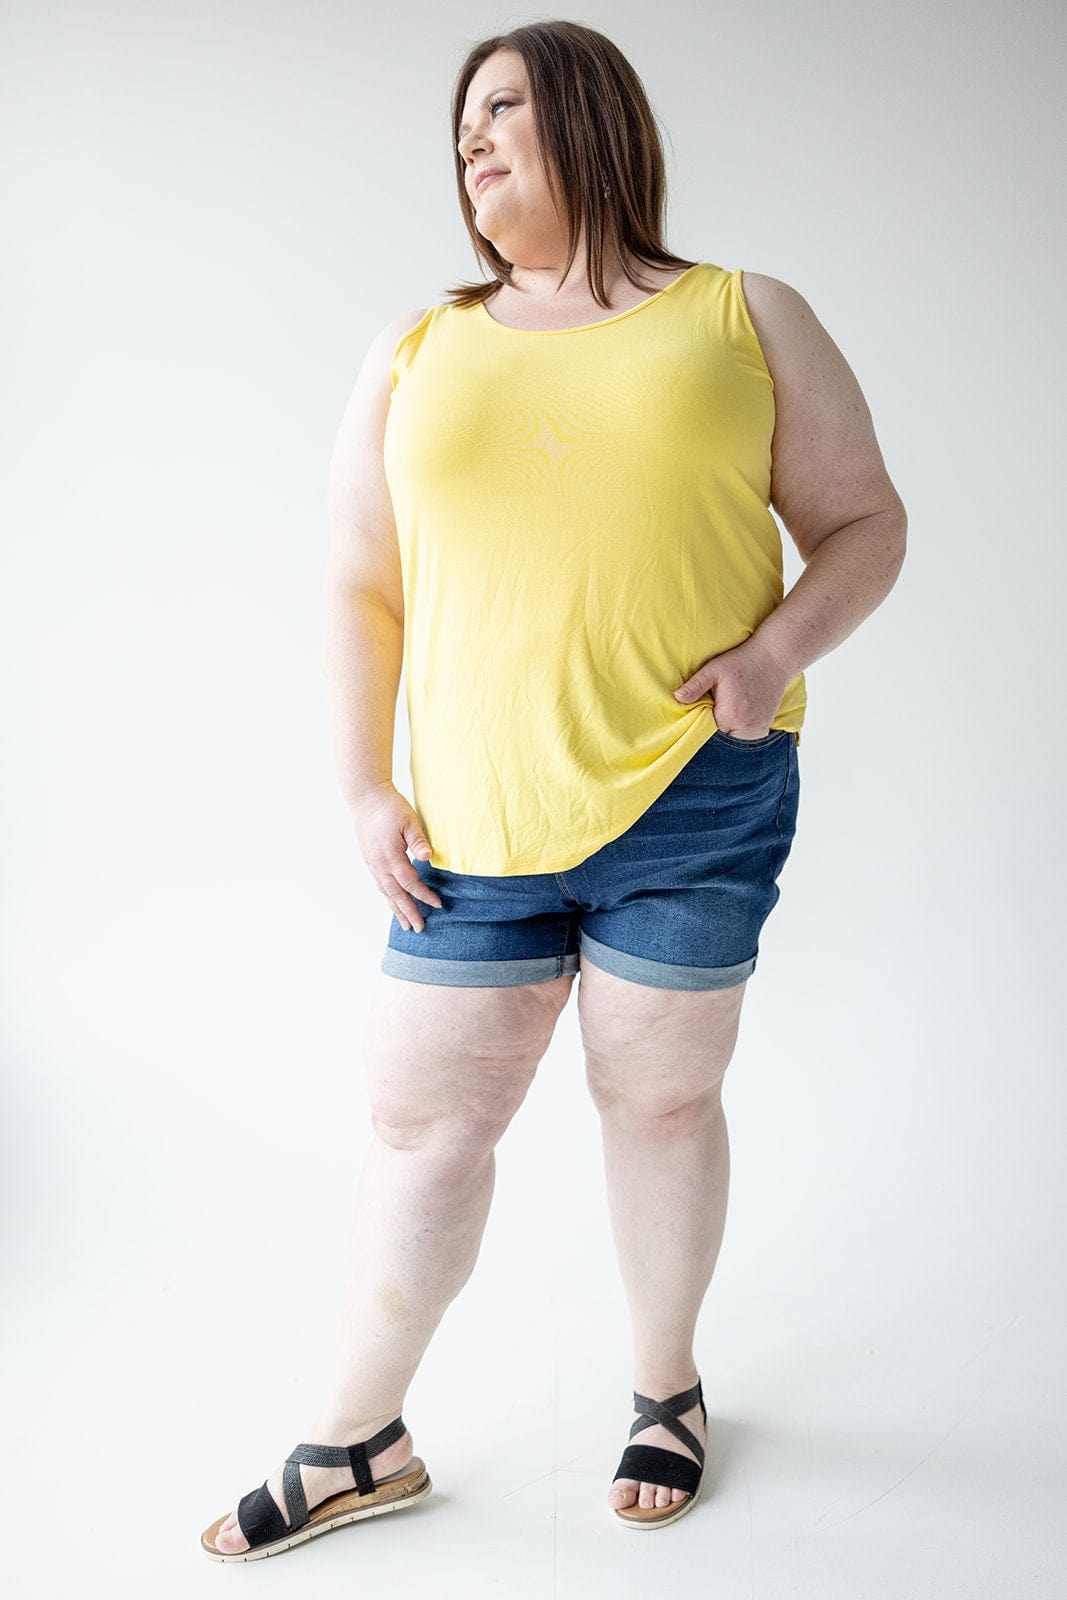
x=595 y=129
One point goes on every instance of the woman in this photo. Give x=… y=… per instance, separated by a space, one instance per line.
x=564 y=536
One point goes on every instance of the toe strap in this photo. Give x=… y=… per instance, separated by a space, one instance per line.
x=258 y=1517
x=648 y=1463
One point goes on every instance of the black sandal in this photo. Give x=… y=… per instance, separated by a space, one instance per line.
x=650 y=1463
x=263 y=1525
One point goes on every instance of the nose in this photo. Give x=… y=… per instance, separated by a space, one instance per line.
x=473 y=140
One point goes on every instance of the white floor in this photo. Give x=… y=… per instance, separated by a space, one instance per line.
x=879 y=1348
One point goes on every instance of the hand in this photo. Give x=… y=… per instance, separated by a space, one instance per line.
x=387 y=828
x=746 y=685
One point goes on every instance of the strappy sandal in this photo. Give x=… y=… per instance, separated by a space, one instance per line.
x=263 y=1525
x=650 y=1463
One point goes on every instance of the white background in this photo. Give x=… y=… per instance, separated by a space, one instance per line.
x=211 y=209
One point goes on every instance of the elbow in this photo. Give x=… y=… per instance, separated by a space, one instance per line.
x=897 y=545
x=896 y=525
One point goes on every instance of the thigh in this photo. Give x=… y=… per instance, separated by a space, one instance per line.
x=654 y=1048
x=438 y=1053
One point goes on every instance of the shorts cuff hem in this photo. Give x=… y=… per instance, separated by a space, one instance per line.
x=663 y=974
x=477 y=974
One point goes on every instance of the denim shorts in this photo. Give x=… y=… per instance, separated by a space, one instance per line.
x=675 y=902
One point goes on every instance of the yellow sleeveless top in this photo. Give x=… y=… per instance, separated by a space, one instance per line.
x=583 y=519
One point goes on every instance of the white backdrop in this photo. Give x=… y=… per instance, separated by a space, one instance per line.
x=211 y=209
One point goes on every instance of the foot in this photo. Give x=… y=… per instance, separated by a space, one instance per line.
x=320 y=1482
x=626 y=1492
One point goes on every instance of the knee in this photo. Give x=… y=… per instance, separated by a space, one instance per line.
x=453 y=1139
x=662 y=1106
x=448 y=1082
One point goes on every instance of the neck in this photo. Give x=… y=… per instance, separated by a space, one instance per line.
x=546 y=283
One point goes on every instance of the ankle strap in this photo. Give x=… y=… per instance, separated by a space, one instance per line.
x=340 y=1455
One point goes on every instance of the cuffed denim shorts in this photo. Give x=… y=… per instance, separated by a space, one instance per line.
x=676 y=902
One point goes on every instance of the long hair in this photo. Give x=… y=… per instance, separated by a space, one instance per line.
x=595 y=129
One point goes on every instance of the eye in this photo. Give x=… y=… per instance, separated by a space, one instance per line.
x=493 y=106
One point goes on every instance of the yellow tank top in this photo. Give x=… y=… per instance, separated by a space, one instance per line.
x=583 y=519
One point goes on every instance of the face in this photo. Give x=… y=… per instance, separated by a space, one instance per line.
x=497 y=130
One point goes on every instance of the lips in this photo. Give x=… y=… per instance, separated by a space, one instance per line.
x=484 y=177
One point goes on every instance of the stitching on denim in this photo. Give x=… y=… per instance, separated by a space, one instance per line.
x=790 y=755
x=768 y=738
x=564 y=953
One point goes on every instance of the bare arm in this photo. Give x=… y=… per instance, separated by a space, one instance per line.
x=830 y=487
x=363 y=637
x=829 y=482
x=363 y=602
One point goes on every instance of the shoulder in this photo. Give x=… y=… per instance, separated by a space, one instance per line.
x=760 y=289
x=371 y=394
x=785 y=324
x=805 y=364
x=376 y=368
x=391 y=335
x=827 y=465
x=405 y=322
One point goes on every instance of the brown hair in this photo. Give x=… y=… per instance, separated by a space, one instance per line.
x=595 y=128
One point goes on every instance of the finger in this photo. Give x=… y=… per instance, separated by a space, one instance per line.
x=401 y=899
x=406 y=912
x=692 y=690
x=404 y=874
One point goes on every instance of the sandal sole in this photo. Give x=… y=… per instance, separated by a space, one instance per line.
x=334 y=1512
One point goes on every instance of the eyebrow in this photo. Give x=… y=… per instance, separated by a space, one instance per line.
x=464 y=127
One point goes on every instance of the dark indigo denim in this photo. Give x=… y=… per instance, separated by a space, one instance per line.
x=676 y=902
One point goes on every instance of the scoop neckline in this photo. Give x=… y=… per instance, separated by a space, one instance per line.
x=584 y=327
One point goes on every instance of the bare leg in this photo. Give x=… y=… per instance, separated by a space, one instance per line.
x=655 y=1063
x=447 y=1069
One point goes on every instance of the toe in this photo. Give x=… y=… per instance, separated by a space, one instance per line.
x=626 y=1493
x=230 y=1538
x=657 y=1494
